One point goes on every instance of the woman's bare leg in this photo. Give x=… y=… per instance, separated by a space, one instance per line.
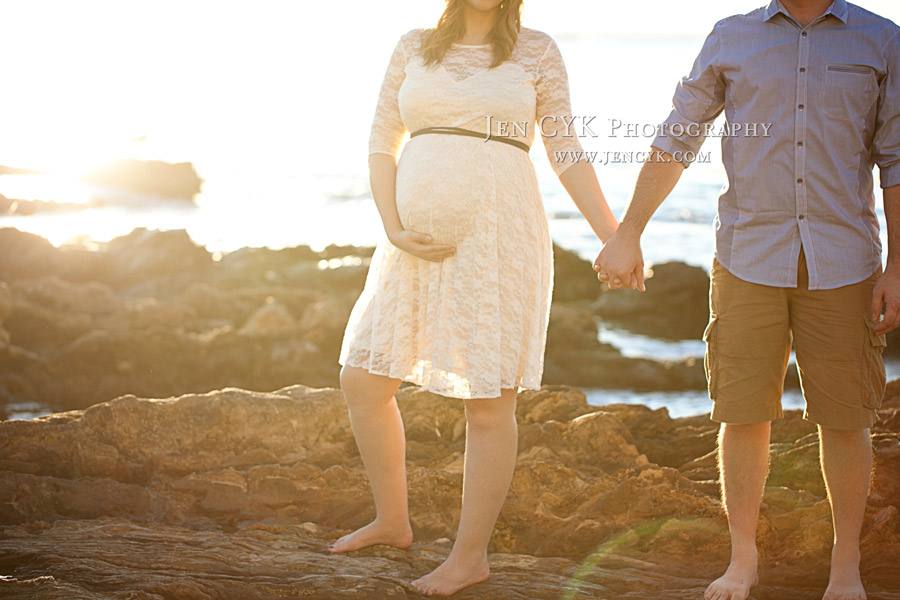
x=491 y=445
x=378 y=429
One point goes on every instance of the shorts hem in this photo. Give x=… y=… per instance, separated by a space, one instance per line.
x=742 y=416
x=831 y=420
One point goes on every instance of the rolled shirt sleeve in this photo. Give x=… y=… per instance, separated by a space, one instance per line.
x=886 y=145
x=699 y=99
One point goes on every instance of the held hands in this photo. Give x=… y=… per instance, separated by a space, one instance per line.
x=620 y=262
x=420 y=245
x=886 y=295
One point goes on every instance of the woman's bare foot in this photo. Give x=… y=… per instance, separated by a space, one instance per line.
x=845 y=583
x=398 y=536
x=453 y=575
x=735 y=584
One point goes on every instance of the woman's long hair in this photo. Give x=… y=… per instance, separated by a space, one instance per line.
x=452 y=27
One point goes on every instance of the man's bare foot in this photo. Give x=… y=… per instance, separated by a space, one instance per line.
x=845 y=583
x=735 y=584
x=371 y=534
x=453 y=575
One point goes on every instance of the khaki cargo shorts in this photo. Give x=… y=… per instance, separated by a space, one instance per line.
x=748 y=344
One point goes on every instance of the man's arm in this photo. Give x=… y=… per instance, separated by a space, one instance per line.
x=886 y=294
x=620 y=262
x=699 y=99
x=886 y=152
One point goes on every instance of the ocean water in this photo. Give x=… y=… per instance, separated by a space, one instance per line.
x=257 y=196
x=325 y=199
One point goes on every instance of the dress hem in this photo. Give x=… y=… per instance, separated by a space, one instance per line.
x=410 y=378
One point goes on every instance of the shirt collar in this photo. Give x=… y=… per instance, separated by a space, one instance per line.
x=837 y=9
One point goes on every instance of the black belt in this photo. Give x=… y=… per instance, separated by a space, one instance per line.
x=460 y=131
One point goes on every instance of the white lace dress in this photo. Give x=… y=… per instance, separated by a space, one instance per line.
x=476 y=322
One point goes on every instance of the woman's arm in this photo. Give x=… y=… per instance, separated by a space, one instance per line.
x=580 y=180
x=385 y=138
x=382 y=180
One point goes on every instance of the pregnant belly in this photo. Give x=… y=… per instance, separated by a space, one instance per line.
x=442 y=182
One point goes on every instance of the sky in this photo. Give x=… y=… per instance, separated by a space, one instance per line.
x=241 y=83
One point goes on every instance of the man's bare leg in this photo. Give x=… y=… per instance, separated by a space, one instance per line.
x=846 y=457
x=743 y=464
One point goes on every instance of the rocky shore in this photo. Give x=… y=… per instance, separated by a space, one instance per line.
x=200 y=481
x=235 y=494
x=155 y=315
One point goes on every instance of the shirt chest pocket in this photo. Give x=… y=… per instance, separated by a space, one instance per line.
x=849 y=92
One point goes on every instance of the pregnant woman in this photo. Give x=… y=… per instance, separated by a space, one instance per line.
x=457 y=297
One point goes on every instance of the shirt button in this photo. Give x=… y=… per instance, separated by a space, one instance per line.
x=803 y=34
x=800 y=107
x=800 y=180
x=803 y=69
x=800 y=144
x=800 y=217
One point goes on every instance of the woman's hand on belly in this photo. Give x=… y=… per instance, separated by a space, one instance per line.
x=420 y=245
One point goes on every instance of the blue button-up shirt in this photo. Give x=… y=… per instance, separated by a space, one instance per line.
x=825 y=99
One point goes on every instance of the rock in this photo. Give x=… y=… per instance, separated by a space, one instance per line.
x=575 y=356
x=675 y=305
x=44 y=330
x=148 y=313
x=336 y=251
x=885 y=490
x=52 y=292
x=142 y=256
x=194 y=485
x=573 y=277
x=25 y=255
x=153 y=177
x=269 y=320
x=574 y=350
x=666 y=441
x=893 y=343
x=261 y=265
x=6 y=301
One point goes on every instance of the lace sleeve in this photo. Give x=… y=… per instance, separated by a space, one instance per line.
x=387 y=126
x=554 y=111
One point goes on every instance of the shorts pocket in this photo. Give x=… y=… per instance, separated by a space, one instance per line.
x=874 y=380
x=711 y=358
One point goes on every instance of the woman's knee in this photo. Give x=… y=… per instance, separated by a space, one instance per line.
x=351 y=378
x=491 y=412
x=361 y=387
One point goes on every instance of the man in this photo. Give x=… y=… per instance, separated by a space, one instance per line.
x=797 y=248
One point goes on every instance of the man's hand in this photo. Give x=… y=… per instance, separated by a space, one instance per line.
x=620 y=262
x=421 y=245
x=886 y=295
